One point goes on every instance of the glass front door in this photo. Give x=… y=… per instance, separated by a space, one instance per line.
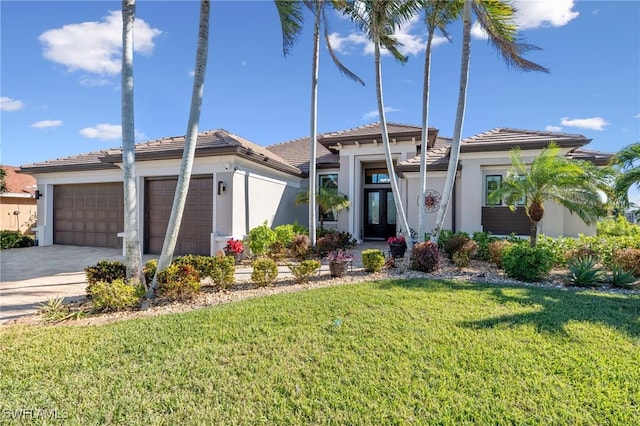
x=379 y=214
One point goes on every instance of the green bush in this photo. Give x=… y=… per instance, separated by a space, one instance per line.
x=496 y=251
x=104 y=271
x=483 y=239
x=178 y=282
x=331 y=240
x=462 y=256
x=222 y=271
x=265 y=271
x=301 y=246
x=277 y=251
x=527 y=263
x=621 y=277
x=304 y=270
x=373 y=260
x=425 y=257
x=14 y=239
x=299 y=229
x=617 y=227
x=54 y=310
x=285 y=234
x=149 y=271
x=628 y=259
x=578 y=253
x=455 y=243
x=116 y=295
x=202 y=264
x=444 y=237
x=260 y=239
x=584 y=271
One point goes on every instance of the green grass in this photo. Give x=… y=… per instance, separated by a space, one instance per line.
x=390 y=352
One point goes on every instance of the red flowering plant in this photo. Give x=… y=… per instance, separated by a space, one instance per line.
x=399 y=240
x=235 y=246
x=339 y=256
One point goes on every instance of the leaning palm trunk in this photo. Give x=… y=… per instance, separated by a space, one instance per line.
x=425 y=137
x=457 y=131
x=387 y=150
x=314 y=127
x=131 y=236
x=182 y=188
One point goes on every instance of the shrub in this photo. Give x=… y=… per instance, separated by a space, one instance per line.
x=234 y=246
x=373 y=260
x=579 y=252
x=265 y=271
x=284 y=234
x=455 y=243
x=621 y=277
x=14 y=239
x=332 y=239
x=301 y=246
x=104 y=271
x=277 y=250
x=425 y=257
x=260 y=238
x=222 y=271
x=617 y=227
x=483 y=239
x=54 y=310
x=116 y=295
x=628 y=259
x=202 y=264
x=444 y=237
x=178 y=282
x=299 y=229
x=304 y=270
x=149 y=271
x=527 y=263
x=496 y=250
x=583 y=271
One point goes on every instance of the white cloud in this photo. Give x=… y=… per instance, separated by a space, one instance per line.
x=191 y=73
x=637 y=115
x=595 y=123
x=95 y=47
x=551 y=128
x=410 y=44
x=541 y=13
x=103 y=131
x=374 y=114
x=85 y=80
x=46 y=124
x=8 y=104
x=478 y=32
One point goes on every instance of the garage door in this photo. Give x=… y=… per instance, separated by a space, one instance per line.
x=197 y=221
x=88 y=214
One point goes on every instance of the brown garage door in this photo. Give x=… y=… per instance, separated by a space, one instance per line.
x=88 y=214
x=197 y=221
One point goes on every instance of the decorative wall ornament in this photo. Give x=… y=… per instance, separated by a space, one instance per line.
x=431 y=200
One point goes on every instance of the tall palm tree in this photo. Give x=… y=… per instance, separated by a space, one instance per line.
x=328 y=199
x=551 y=177
x=319 y=10
x=496 y=18
x=191 y=138
x=378 y=19
x=437 y=15
x=131 y=236
x=627 y=160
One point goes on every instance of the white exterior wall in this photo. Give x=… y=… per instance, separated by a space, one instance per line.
x=435 y=181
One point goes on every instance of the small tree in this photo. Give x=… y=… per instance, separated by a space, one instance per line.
x=328 y=199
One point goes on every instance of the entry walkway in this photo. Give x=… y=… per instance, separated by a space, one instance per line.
x=29 y=276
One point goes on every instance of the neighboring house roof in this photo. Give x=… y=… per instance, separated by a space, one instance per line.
x=297 y=152
x=209 y=143
x=18 y=184
x=596 y=157
x=504 y=139
x=370 y=132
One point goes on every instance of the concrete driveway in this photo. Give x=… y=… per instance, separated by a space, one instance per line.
x=32 y=275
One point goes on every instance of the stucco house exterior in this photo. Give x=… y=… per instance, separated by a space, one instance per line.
x=237 y=185
x=17 y=202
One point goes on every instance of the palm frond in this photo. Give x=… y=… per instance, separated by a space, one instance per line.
x=290 y=13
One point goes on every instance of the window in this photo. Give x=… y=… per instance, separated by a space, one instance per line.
x=493 y=182
x=376 y=176
x=327 y=181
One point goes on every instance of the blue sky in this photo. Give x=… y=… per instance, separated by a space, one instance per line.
x=60 y=83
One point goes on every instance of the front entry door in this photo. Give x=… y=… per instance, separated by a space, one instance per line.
x=379 y=214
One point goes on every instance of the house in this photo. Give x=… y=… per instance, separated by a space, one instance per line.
x=17 y=202
x=237 y=185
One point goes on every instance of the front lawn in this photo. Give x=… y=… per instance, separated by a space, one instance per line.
x=388 y=352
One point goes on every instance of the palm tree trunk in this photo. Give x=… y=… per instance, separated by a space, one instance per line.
x=454 y=153
x=425 y=137
x=314 y=126
x=533 y=233
x=131 y=236
x=180 y=198
x=387 y=149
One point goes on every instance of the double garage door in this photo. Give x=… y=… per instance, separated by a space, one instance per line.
x=93 y=215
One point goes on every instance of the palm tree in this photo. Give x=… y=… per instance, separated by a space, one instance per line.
x=378 y=19
x=627 y=161
x=131 y=237
x=328 y=199
x=437 y=15
x=497 y=19
x=191 y=138
x=551 y=177
x=318 y=8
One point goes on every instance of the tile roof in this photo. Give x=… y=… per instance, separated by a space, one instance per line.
x=437 y=158
x=503 y=139
x=17 y=183
x=88 y=161
x=596 y=157
x=372 y=131
x=296 y=152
